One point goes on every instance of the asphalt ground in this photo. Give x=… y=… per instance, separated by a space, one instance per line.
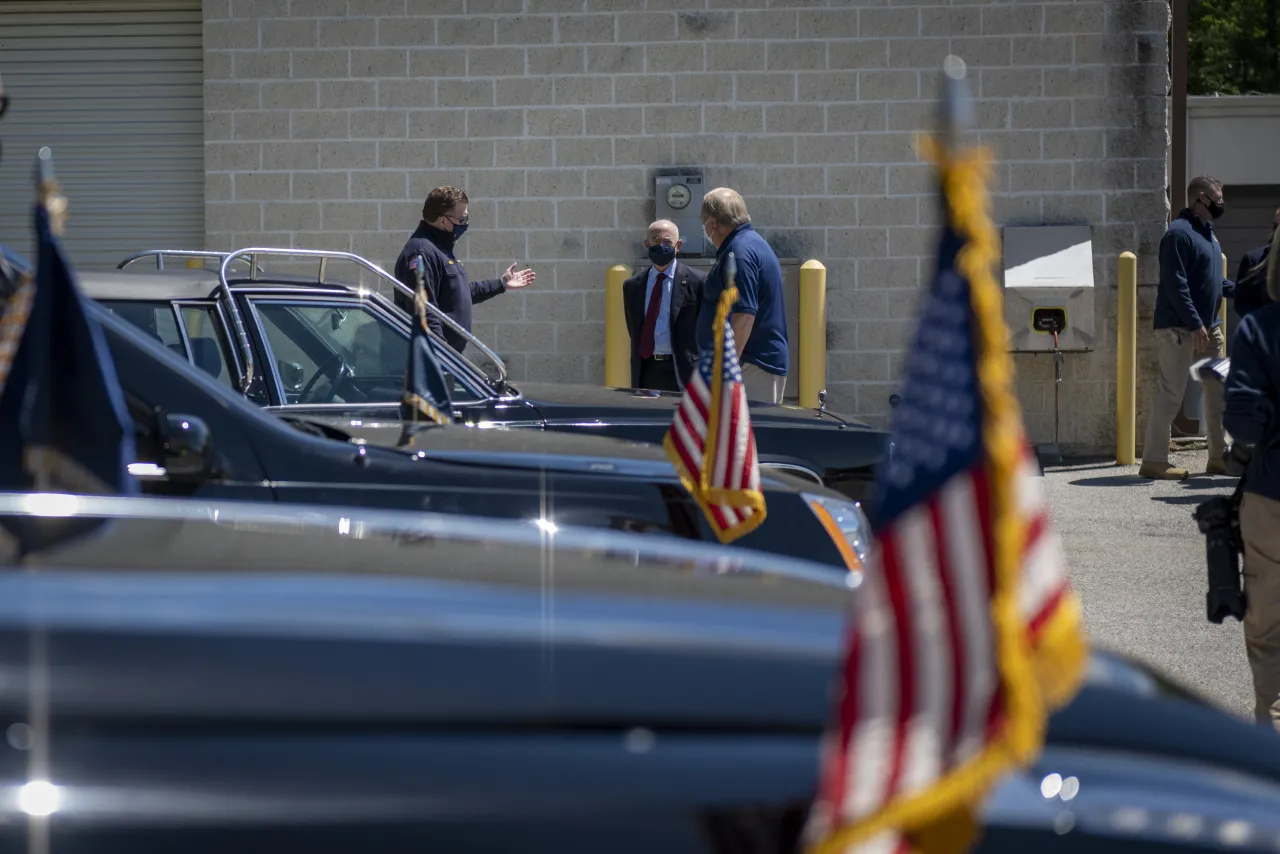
x=1137 y=560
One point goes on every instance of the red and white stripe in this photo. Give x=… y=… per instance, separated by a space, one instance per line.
x=1044 y=581
x=735 y=465
x=922 y=691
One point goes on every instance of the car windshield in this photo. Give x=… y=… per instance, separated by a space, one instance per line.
x=340 y=352
x=482 y=371
x=333 y=353
x=474 y=362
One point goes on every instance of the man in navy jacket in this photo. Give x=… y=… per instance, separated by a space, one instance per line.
x=1251 y=279
x=445 y=218
x=1187 y=326
x=1252 y=398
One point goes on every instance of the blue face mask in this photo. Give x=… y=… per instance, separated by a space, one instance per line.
x=459 y=230
x=662 y=254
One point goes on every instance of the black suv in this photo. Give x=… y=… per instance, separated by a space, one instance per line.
x=197 y=436
x=309 y=345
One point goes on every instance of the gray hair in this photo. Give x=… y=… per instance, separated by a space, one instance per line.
x=663 y=225
x=725 y=206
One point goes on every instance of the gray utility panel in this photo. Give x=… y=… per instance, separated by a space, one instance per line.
x=1048 y=286
x=679 y=199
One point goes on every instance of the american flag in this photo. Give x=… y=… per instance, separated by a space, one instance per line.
x=710 y=442
x=64 y=425
x=965 y=631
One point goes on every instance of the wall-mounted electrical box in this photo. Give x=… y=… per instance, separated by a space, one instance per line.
x=1048 y=287
x=679 y=199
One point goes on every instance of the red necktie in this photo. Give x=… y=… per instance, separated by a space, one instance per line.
x=651 y=318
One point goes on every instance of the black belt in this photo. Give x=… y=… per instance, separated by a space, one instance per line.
x=660 y=357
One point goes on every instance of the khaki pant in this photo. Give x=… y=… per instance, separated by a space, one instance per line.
x=1260 y=530
x=1175 y=354
x=762 y=385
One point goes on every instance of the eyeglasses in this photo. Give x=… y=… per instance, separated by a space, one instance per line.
x=466 y=220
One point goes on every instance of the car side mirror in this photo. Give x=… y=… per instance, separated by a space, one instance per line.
x=187 y=446
x=291 y=375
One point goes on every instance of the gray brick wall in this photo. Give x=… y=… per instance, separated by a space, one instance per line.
x=329 y=120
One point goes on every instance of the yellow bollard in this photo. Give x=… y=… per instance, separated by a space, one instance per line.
x=195 y=263
x=1127 y=360
x=812 y=332
x=617 y=342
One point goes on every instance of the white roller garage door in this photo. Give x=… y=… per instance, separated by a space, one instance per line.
x=115 y=88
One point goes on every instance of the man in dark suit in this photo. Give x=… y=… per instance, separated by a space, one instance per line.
x=661 y=303
x=1251 y=280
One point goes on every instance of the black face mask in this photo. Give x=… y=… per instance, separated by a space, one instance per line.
x=1215 y=209
x=662 y=254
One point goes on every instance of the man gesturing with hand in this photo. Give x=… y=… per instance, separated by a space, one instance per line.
x=445 y=218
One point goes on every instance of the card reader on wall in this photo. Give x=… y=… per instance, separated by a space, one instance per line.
x=1048 y=288
x=1049 y=319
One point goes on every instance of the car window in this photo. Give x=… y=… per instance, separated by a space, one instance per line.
x=294 y=361
x=154 y=318
x=336 y=352
x=209 y=347
x=333 y=352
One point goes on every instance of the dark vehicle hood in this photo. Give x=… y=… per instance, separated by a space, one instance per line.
x=446 y=588
x=305 y=627
x=331 y=649
x=531 y=449
x=558 y=399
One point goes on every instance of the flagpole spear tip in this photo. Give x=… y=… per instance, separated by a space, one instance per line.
x=47 y=188
x=44 y=163
x=957 y=101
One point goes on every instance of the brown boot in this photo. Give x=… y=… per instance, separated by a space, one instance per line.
x=1216 y=467
x=1161 y=471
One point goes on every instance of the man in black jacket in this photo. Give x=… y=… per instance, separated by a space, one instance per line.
x=1252 y=404
x=445 y=218
x=1251 y=280
x=661 y=305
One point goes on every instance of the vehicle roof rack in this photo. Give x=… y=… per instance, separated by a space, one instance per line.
x=324 y=256
x=161 y=254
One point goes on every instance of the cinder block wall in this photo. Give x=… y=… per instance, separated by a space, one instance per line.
x=329 y=120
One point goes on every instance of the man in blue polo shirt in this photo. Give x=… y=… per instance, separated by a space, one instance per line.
x=759 y=321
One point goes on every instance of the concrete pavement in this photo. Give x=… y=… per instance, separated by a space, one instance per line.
x=1138 y=562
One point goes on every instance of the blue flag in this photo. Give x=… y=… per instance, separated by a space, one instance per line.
x=64 y=426
x=426 y=394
